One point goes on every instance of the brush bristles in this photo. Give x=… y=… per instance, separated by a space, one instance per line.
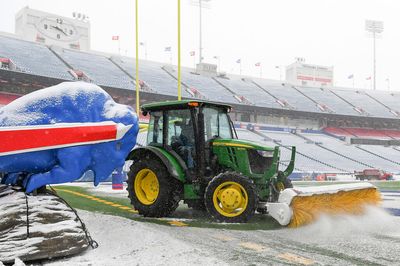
x=306 y=209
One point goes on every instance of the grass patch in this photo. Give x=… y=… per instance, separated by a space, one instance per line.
x=194 y=218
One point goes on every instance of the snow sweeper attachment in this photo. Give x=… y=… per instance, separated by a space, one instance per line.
x=303 y=205
x=193 y=153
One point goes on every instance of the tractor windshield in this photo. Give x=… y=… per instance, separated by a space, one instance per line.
x=216 y=123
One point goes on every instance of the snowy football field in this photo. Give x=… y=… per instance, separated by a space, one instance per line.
x=372 y=239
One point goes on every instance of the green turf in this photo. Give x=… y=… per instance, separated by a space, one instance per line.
x=194 y=218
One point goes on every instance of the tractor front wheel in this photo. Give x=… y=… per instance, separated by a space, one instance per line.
x=152 y=191
x=231 y=197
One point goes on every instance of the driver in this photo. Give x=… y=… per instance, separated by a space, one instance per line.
x=184 y=143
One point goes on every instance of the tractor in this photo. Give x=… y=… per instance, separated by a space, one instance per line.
x=193 y=154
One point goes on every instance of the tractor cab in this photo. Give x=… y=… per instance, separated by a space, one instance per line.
x=187 y=129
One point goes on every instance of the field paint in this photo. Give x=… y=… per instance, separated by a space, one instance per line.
x=112 y=204
x=296 y=259
x=177 y=223
x=253 y=246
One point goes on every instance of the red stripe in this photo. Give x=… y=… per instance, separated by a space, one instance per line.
x=22 y=139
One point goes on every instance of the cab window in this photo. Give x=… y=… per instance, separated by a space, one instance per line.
x=216 y=123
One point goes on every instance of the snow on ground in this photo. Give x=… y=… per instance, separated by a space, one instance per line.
x=125 y=242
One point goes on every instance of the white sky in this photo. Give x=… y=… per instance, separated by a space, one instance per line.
x=326 y=32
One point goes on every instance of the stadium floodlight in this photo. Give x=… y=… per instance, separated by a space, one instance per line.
x=201 y=5
x=376 y=28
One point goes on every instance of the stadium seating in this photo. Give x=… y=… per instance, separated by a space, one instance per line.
x=287 y=94
x=6 y=98
x=325 y=97
x=153 y=74
x=250 y=91
x=390 y=99
x=33 y=58
x=99 y=69
x=363 y=103
x=361 y=157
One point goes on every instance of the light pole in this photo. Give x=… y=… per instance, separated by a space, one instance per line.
x=280 y=72
x=200 y=3
x=137 y=58
x=179 y=51
x=145 y=49
x=376 y=28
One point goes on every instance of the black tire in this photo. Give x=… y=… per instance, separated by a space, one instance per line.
x=198 y=205
x=169 y=194
x=246 y=183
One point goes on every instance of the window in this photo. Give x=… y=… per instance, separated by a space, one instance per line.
x=180 y=127
x=217 y=123
x=155 y=131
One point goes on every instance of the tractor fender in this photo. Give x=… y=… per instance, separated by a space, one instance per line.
x=174 y=167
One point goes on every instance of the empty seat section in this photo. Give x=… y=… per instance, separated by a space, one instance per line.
x=387 y=152
x=362 y=101
x=33 y=58
x=367 y=133
x=6 y=98
x=390 y=99
x=393 y=133
x=153 y=75
x=325 y=97
x=351 y=151
x=98 y=68
x=207 y=87
x=250 y=91
x=338 y=132
x=291 y=96
x=315 y=152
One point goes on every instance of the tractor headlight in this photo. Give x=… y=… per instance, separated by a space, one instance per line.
x=265 y=153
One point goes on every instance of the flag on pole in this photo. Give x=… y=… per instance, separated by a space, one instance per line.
x=168 y=49
x=368 y=78
x=258 y=64
x=351 y=76
x=239 y=61
x=192 y=53
x=115 y=38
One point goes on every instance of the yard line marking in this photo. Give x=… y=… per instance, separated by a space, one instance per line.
x=177 y=223
x=125 y=208
x=253 y=246
x=112 y=204
x=296 y=259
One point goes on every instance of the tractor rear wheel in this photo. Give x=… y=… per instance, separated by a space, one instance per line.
x=152 y=191
x=231 y=197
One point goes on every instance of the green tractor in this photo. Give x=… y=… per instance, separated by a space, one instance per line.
x=193 y=154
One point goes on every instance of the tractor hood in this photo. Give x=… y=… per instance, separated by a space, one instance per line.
x=241 y=144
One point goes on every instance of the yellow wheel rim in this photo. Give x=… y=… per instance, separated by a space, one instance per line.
x=230 y=199
x=146 y=186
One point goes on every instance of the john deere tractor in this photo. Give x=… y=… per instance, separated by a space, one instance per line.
x=193 y=153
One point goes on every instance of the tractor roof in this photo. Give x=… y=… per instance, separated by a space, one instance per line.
x=183 y=104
